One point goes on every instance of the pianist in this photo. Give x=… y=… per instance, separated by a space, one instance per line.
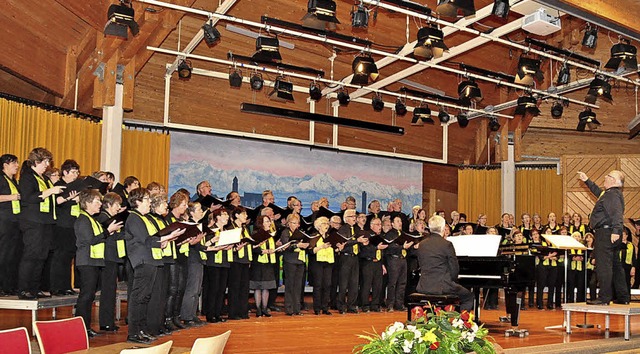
x=439 y=266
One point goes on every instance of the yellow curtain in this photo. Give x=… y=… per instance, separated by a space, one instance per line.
x=479 y=192
x=24 y=127
x=538 y=191
x=145 y=155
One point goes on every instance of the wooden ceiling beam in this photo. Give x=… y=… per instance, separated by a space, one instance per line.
x=94 y=13
x=481 y=142
x=622 y=12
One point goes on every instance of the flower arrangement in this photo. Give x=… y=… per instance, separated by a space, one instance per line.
x=436 y=330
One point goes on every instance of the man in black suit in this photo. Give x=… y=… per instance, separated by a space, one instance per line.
x=439 y=266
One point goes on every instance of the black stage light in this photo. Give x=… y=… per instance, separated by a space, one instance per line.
x=256 y=81
x=184 y=69
x=430 y=43
x=401 y=108
x=557 y=109
x=120 y=19
x=500 y=8
x=360 y=17
x=315 y=93
x=468 y=91
x=364 y=68
x=421 y=115
x=624 y=54
x=267 y=49
x=377 y=103
x=235 y=78
x=211 y=34
x=564 y=75
x=599 y=87
x=443 y=116
x=321 y=14
x=343 y=97
x=527 y=104
x=463 y=119
x=494 y=125
x=587 y=118
x=455 y=8
x=590 y=38
x=282 y=90
x=528 y=71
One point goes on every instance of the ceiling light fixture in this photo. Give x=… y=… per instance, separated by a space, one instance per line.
x=500 y=8
x=360 y=16
x=587 y=118
x=321 y=14
x=527 y=104
x=343 y=97
x=430 y=43
x=624 y=54
x=401 y=107
x=463 y=119
x=455 y=8
x=590 y=38
x=422 y=115
x=120 y=19
x=528 y=71
x=256 y=81
x=211 y=34
x=599 y=87
x=315 y=93
x=184 y=69
x=282 y=90
x=468 y=91
x=235 y=78
x=377 y=103
x=443 y=116
x=494 y=124
x=364 y=68
x=564 y=75
x=267 y=50
x=557 y=109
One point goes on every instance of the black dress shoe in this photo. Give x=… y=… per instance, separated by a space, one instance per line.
x=137 y=338
x=326 y=312
x=70 y=292
x=298 y=314
x=219 y=320
x=91 y=333
x=236 y=318
x=113 y=328
x=42 y=294
x=316 y=313
x=147 y=335
x=198 y=322
x=352 y=311
x=25 y=295
x=597 y=302
x=176 y=322
x=621 y=302
x=275 y=308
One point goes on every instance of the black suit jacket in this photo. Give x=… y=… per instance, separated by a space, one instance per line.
x=438 y=264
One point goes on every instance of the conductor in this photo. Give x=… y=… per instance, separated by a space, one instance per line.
x=607 y=221
x=439 y=266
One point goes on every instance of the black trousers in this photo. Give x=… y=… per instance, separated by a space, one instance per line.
x=10 y=252
x=238 y=298
x=609 y=268
x=397 y=270
x=155 y=310
x=36 y=239
x=335 y=279
x=575 y=284
x=144 y=277
x=546 y=277
x=349 y=274
x=293 y=287
x=321 y=284
x=64 y=250
x=559 y=284
x=108 y=285
x=217 y=278
x=371 y=283
x=88 y=288
x=176 y=282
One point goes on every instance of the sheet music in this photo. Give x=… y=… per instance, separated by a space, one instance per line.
x=229 y=237
x=476 y=245
x=564 y=242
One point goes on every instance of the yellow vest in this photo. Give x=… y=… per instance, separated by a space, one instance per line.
x=15 y=204
x=170 y=250
x=268 y=258
x=325 y=254
x=95 y=251
x=576 y=265
x=628 y=254
x=156 y=253
x=45 y=205
x=219 y=254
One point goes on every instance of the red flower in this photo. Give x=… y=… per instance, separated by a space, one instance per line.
x=467 y=324
x=451 y=319
x=417 y=312
x=449 y=308
x=464 y=315
x=434 y=345
x=438 y=310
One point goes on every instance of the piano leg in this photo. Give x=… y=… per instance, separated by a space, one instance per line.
x=513 y=302
x=476 y=304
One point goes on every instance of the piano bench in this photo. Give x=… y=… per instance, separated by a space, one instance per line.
x=419 y=299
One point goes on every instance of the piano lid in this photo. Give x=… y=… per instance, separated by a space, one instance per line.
x=476 y=245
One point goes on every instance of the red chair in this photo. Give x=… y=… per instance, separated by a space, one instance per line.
x=15 y=341
x=61 y=336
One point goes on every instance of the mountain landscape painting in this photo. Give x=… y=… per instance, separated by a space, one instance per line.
x=251 y=166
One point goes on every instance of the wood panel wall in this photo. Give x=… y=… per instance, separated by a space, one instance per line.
x=578 y=198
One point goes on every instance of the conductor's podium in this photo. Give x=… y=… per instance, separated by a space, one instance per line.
x=613 y=309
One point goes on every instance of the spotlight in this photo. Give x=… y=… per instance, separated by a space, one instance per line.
x=184 y=69
x=422 y=115
x=494 y=125
x=211 y=34
x=360 y=17
x=623 y=53
x=364 y=68
x=314 y=92
x=468 y=91
x=267 y=50
x=443 y=116
x=528 y=71
x=557 y=109
x=463 y=119
x=377 y=103
x=120 y=18
x=256 y=81
x=343 y=97
x=564 y=75
x=590 y=38
x=527 y=104
x=235 y=78
x=320 y=15
x=455 y=8
x=401 y=108
x=599 y=87
x=500 y=8
x=282 y=90
x=430 y=43
x=587 y=118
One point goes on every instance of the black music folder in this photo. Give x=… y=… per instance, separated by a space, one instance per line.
x=191 y=230
x=120 y=217
x=85 y=183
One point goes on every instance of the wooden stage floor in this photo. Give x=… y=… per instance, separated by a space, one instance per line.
x=338 y=333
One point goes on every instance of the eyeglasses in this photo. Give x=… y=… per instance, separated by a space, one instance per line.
x=610 y=176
